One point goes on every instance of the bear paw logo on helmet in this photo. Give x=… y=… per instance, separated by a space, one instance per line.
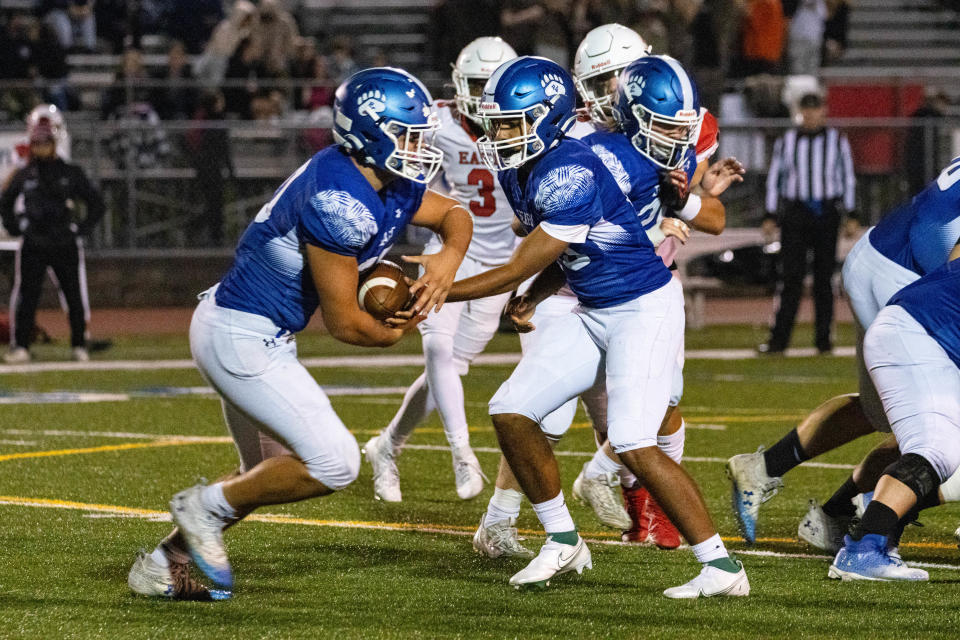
x=552 y=85
x=372 y=104
x=635 y=86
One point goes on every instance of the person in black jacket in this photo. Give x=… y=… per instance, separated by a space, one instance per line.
x=50 y=188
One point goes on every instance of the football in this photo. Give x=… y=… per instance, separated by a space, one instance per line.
x=384 y=291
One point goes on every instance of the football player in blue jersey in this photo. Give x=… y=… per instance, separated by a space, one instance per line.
x=333 y=218
x=627 y=328
x=912 y=351
x=912 y=240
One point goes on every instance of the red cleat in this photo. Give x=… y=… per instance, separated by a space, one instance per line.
x=635 y=500
x=660 y=531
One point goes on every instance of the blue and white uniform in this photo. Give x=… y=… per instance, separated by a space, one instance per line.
x=241 y=335
x=912 y=351
x=912 y=240
x=639 y=179
x=629 y=323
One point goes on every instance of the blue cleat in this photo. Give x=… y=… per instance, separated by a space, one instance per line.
x=751 y=488
x=203 y=533
x=868 y=559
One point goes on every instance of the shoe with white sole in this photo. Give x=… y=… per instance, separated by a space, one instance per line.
x=467 y=473
x=751 y=488
x=17 y=355
x=711 y=582
x=601 y=494
x=203 y=533
x=869 y=559
x=822 y=531
x=148 y=577
x=80 y=354
x=499 y=540
x=386 y=479
x=554 y=559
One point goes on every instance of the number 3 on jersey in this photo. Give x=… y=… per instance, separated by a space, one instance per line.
x=488 y=203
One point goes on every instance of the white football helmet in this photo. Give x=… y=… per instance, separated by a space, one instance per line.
x=475 y=64
x=600 y=57
x=51 y=116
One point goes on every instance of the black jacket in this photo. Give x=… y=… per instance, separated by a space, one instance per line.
x=50 y=189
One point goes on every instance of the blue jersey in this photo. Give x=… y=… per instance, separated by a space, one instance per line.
x=572 y=196
x=920 y=234
x=934 y=302
x=638 y=177
x=326 y=203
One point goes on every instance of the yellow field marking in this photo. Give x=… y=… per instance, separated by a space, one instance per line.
x=165 y=442
x=451 y=529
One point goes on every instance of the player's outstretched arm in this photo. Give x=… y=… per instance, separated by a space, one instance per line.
x=521 y=308
x=447 y=218
x=336 y=279
x=537 y=251
x=701 y=211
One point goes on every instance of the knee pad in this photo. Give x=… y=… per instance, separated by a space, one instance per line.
x=437 y=345
x=916 y=472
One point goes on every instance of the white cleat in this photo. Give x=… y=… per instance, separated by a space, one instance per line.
x=499 y=540
x=386 y=478
x=822 y=531
x=869 y=559
x=712 y=581
x=149 y=578
x=751 y=488
x=80 y=354
x=554 y=558
x=203 y=532
x=17 y=355
x=603 y=495
x=467 y=473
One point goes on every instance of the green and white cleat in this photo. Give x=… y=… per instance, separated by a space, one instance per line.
x=499 y=540
x=554 y=559
x=711 y=582
x=602 y=494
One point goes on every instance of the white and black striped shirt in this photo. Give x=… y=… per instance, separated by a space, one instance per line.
x=811 y=167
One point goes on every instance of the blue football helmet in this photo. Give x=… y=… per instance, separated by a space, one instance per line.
x=658 y=108
x=386 y=118
x=534 y=97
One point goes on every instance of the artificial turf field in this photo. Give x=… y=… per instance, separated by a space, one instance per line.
x=84 y=485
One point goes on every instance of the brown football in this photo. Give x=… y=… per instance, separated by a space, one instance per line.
x=384 y=291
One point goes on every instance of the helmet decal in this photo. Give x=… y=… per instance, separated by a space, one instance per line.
x=372 y=104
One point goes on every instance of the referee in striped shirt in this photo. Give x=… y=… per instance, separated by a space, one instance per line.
x=809 y=187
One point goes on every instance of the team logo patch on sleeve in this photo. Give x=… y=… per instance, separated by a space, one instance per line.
x=566 y=187
x=346 y=219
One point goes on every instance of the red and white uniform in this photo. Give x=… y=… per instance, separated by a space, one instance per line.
x=708 y=141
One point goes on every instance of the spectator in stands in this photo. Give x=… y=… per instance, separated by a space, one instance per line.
x=810 y=185
x=318 y=99
x=126 y=87
x=342 y=63
x=835 y=30
x=72 y=21
x=302 y=68
x=212 y=157
x=541 y=27
x=18 y=61
x=921 y=149
x=454 y=23
x=246 y=64
x=177 y=100
x=279 y=34
x=763 y=33
x=805 y=39
x=243 y=24
x=139 y=140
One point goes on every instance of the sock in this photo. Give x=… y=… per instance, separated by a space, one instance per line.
x=784 y=455
x=710 y=549
x=503 y=505
x=159 y=556
x=879 y=519
x=212 y=499
x=672 y=444
x=600 y=465
x=443 y=378
x=840 y=505
x=627 y=479
x=416 y=406
x=555 y=517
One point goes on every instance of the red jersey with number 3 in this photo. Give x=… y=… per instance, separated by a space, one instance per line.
x=468 y=180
